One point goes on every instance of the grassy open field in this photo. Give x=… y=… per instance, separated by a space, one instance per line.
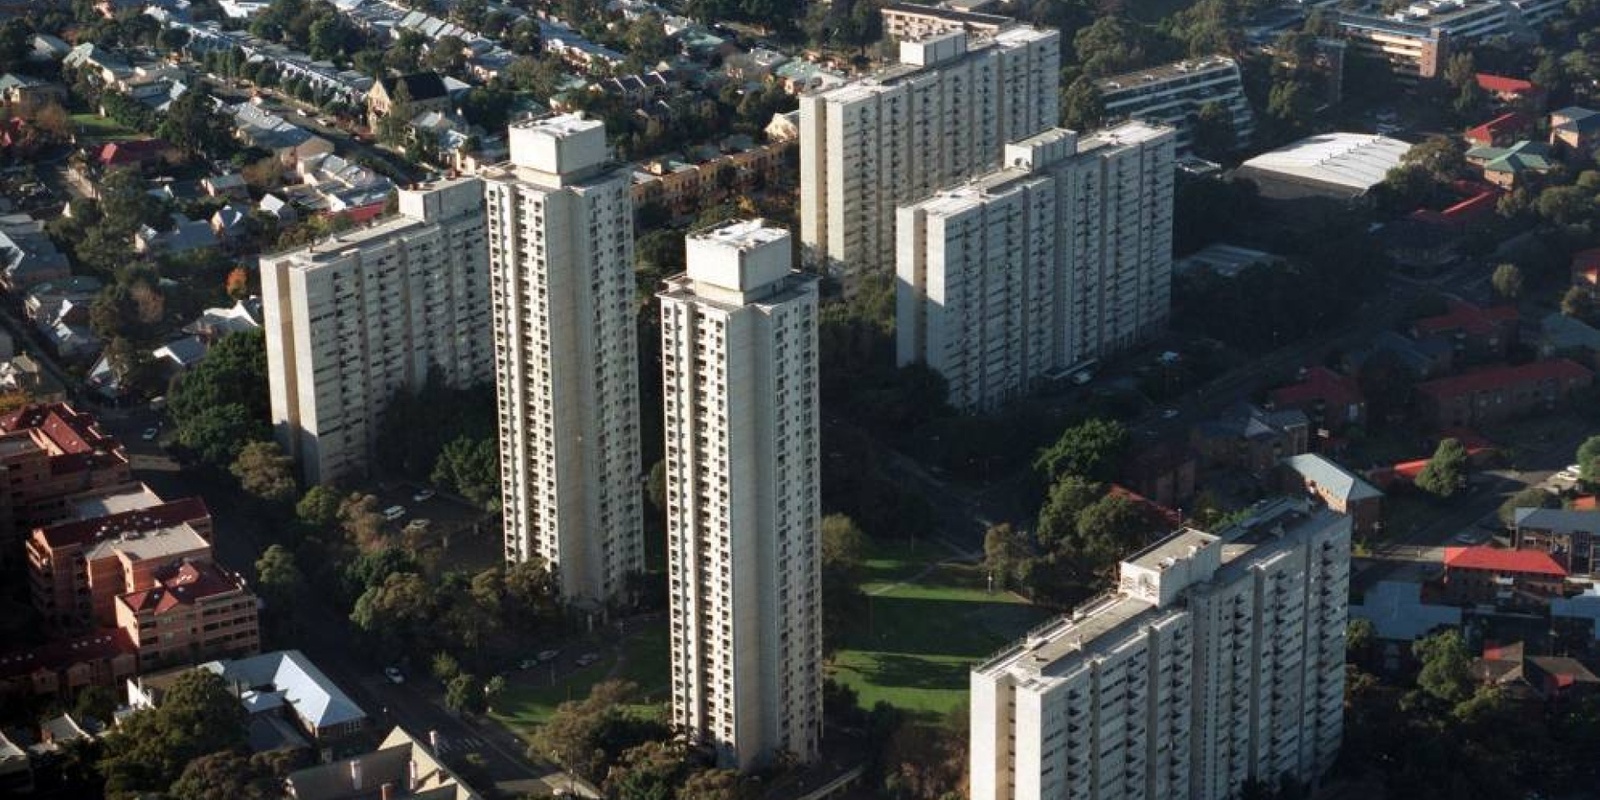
x=102 y=129
x=917 y=640
x=531 y=698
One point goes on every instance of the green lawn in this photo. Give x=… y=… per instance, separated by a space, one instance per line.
x=915 y=644
x=102 y=128
x=531 y=699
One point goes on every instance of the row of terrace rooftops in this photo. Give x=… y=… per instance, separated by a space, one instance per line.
x=1152 y=584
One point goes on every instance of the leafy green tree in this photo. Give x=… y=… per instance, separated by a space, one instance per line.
x=587 y=736
x=651 y=771
x=150 y=749
x=264 y=471
x=1565 y=205
x=234 y=372
x=319 y=506
x=843 y=543
x=398 y=614
x=1588 y=457
x=1443 y=157
x=711 y=784
x=494 y=691
x=1446 y=472
x=531 y=590
x=445 y=667
x=1446 y=673
x=193 y=125
x=15 y=36
x=1081 y=106
x=219 y=433
x=279 y=580
x=1111 y=45
x=471 y=468
x=1576 y=303
x=1005 y=552
x=1507 y=281
x=1212 y=131
x=1058 y=520
x=229 y=775
x=1089 y=449
x=1531 y=497
x=1109 y=529
x=463 y=693
x=1359 y=635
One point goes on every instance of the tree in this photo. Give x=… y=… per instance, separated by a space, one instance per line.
x=218 y=434
x=1058 y=520
x=397 y=614
x=447 y=55
x=150 y=749
x=494 y=691
x=1089 y=449
x=1446 y=472
x=1443 y=157
x=1507 y=281
x=229 y=775
x=1446 y=673
x=445 y=667
x=234 y=372
x=1565 y=205
x=655 y=486
x=711 y=784
x=1005 y=551
x=1531 y=497
x=264 y=471
x=194 y=125
x=279 y=580
x=1212 y=131
x=471 y=468
x=843 y=543
x=15 y=35
x=1081 y=106
x=531 y=590
x=1588 y=458
x=319 y=507
x=463 y=693
x=238 y=283
x=360 y=520
x=1359 y=635
x=586 y=736
x=1111 y=45
x=1109 y=529
x=650 y=771
x=1577 y=303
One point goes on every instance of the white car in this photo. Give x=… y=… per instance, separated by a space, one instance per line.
x=394 y=675
x=422 y=495
x=150 y=434
x=588 y=658
x=393 y=513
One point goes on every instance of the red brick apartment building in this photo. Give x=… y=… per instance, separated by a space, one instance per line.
x=1500 y=393
x=52 y=454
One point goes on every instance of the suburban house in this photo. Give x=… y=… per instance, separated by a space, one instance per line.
x=1330 y=401
x=281 y=686
x=1567 y=536
x=1509 y=91
x=1251 y=438
x=401 y=766
x=1575 y=129
x=1475 y=334
x=1500 y=576
x=1515 y=165
x=1499 y=393
x=1336 y=487
x=28 y=257
x=420 y=91
x=1532 y=678
x=1500 y=131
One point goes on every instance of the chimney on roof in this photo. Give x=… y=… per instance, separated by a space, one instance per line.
x=355 y=774
x=388 y=791
x=433 y=741
x=413 y=780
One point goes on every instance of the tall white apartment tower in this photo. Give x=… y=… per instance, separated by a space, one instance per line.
x=357 y=317
x=941 y=115
x=566 y=355
x=1218 y=659
x=739 y=361
x=1062 y=255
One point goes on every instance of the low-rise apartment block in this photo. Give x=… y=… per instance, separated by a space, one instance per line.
x=1172 y=94
x=52 y=455
x=1218 y=659
x=356 y=318
x=1062 y=256
x=912 y=21
x=1500 y=393
x=1417 y=40
x=189 y=611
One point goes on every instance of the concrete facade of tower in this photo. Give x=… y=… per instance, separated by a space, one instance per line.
x=739 y=361
x=560 y=226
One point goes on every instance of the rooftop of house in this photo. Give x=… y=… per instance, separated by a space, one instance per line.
x=1466 y=317
x=292 y=678
x=1492 y=378
x=1557 y=520
x=1526 y=155
x=1247 y=421
x=136 y=520
x=1576 y=119
x=1500 y=84
x=1505 y=124
x=1319 y=383
x=61 y=653
x=183 y=585
x=118 y=154
x=1496 y=559
x=67 y=430
x=1339 y=481
x=419 y=86
x=392 y=762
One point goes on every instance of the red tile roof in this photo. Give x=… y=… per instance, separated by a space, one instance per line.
x=122 y=154
x=1495 y=559
x=1506 y=124
x=1484 y=380
x=183 y=585
x=56 y=655
x=1501 y=84
x=1585 y=503
x=1322 y=384
x=1154 y=509
x=1464 y=316
x=165 y=515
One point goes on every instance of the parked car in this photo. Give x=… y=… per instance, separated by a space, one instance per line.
x=423 y=495
x=547 y=655
x=150 y=434
x=588 y=658
x=393 y=513
x=394 y=674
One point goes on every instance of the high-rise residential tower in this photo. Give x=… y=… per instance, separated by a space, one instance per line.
x=566 y=355
x=739 y=361
x=352 y=319
x=1218 y=659
x=1061 y=256
x=943 y=114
